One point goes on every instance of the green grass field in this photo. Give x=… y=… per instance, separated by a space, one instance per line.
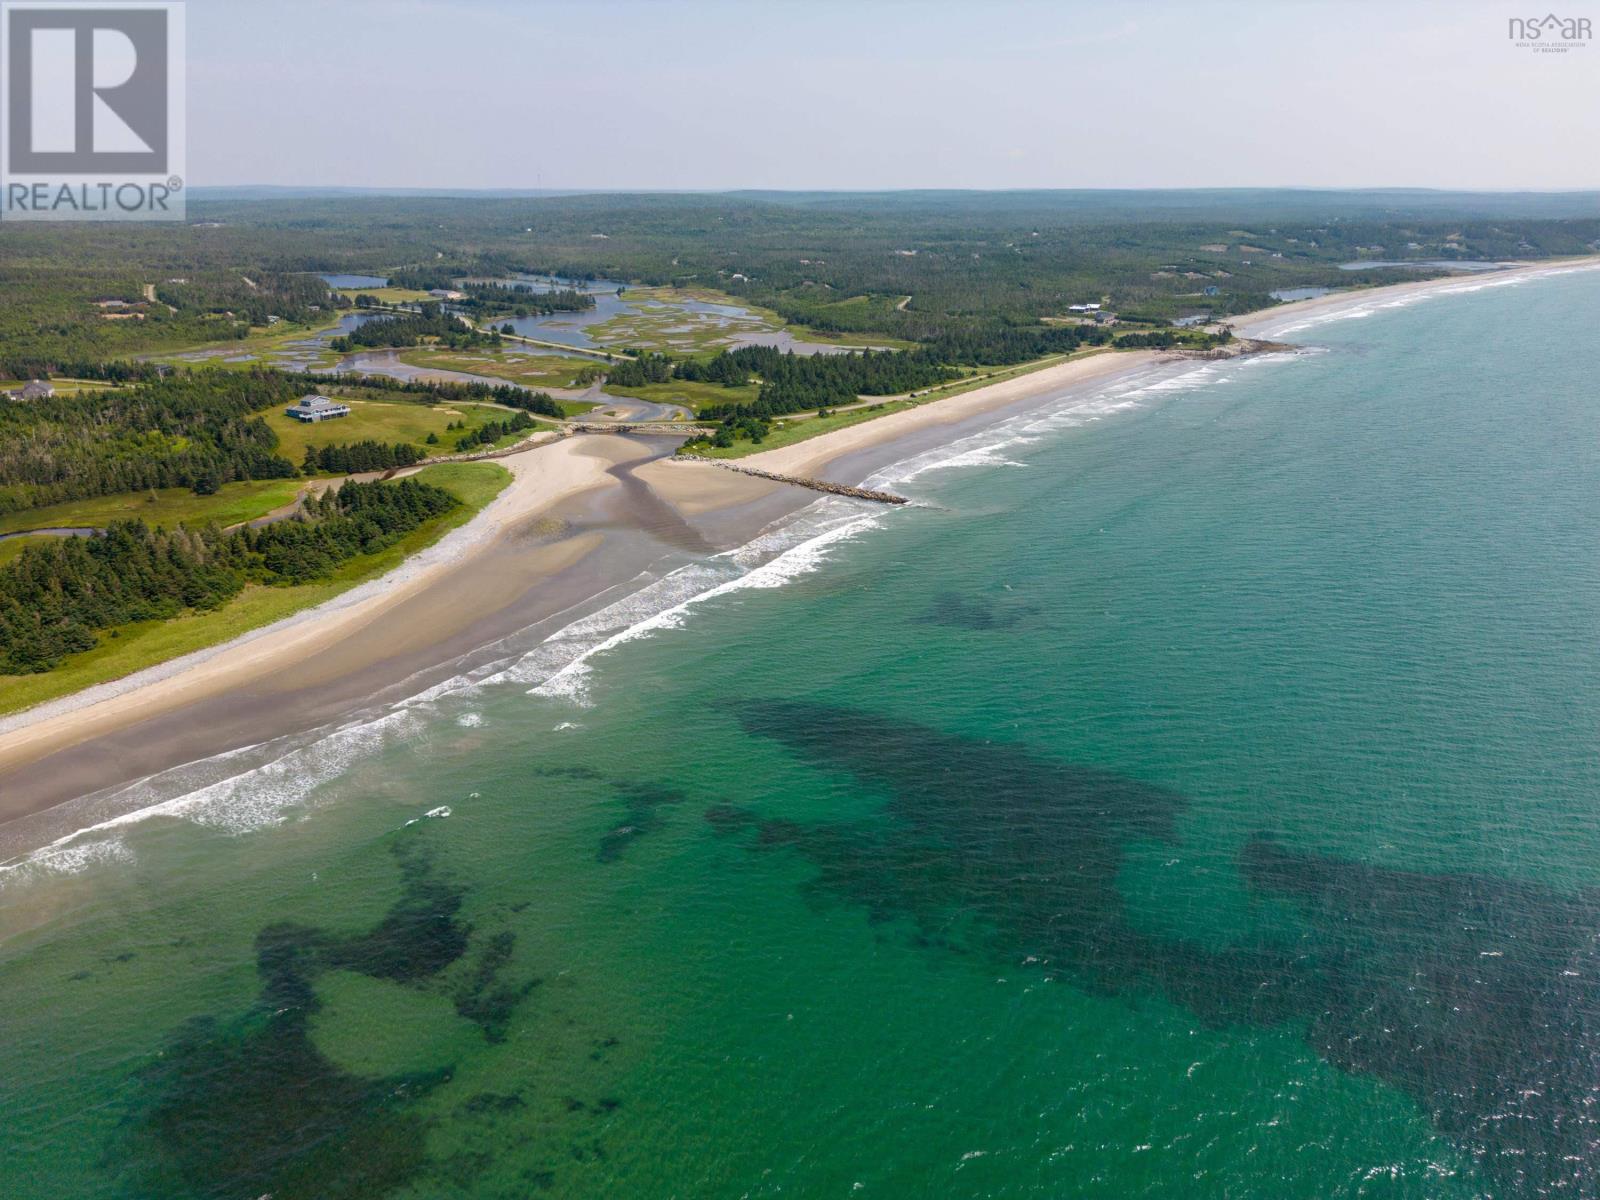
x=387 y=295
x=380 y=421
x=691 y=393
x=233 y=503
x=132 y=648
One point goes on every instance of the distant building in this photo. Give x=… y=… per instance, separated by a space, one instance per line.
x=1213 y=290
x=36 y=389
x=445 y=294
x=1085 y=308
x=317 y=408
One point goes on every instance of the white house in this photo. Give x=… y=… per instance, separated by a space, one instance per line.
x=1083 y=308
x=317 y=408
x=445 y=294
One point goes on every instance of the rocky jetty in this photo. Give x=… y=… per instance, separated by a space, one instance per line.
x=816 y=485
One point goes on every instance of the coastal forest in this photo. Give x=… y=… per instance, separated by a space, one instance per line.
x=180 y=431
x=915 y=266
x=61 y=591
x=119 y=317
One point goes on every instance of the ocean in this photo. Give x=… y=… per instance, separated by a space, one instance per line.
x=1194 y=793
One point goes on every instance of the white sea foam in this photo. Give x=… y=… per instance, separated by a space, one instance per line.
x=236 y=791
x=1360 y=311
x=979 y=456
x=571 y=681
x=263 y=785
x=66 y=858
x=994 y=445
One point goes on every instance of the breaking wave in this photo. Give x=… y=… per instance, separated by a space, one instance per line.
x=262 y=785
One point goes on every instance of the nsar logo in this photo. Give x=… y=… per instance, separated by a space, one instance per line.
x=1549 y=34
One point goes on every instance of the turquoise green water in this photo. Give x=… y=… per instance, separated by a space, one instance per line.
x=1197 y=797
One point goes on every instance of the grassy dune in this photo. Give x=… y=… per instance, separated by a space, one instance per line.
x=131 y=648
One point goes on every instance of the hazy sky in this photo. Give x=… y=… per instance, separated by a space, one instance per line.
x=884 y=94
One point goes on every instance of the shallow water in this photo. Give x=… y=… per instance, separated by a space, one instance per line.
x=1195 y=795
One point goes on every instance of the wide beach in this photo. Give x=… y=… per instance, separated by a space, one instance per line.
x=586 y=519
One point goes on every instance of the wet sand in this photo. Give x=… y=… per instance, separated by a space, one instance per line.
x=551 y=541
x=583 y=518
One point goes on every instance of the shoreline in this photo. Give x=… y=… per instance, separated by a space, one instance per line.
x=816 y=455
x=564 y=469
x=668 y=502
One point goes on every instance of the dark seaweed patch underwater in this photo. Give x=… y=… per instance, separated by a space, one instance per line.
x=1474 y=995
x=642 y=800
x=248 y=1106
x=981 y=616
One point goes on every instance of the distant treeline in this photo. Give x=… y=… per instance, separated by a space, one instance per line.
x=58 y=592
x=916 y=266
x=191 y=430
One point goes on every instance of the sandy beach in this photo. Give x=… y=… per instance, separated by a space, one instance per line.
x=1264 y=322
x=354 y=630
x=813 y=456
x=581 y=516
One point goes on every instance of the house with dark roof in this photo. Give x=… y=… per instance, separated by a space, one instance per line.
x=36 y=389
